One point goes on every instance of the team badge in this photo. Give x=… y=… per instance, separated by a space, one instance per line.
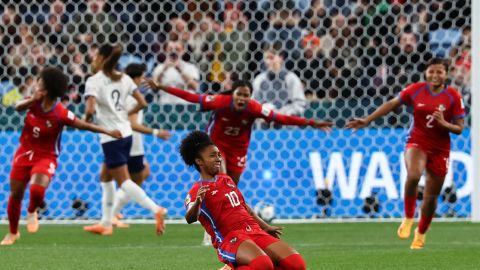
x=214 y=192
x=234 y=240
x=224 y=119
x=209 y=98
x=244 y=122
x=441 y=108
x=49 y=125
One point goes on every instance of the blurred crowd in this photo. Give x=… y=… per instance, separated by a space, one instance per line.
x=291 y=50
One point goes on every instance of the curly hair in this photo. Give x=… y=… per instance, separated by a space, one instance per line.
x=55 y=82
x=192 y=145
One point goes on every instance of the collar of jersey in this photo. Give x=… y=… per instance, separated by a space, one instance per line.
x=209 y=181
x=433 y=94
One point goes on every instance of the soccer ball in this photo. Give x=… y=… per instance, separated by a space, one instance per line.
x=265 y=211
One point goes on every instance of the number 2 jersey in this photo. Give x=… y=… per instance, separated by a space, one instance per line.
x=223 y=209
x=111 y=102
x=43 y=129
x=425 y=130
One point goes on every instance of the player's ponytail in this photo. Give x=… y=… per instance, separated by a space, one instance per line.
x=111 y=55
x=192 y=145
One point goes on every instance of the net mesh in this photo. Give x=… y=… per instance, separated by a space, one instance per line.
x=348 y=57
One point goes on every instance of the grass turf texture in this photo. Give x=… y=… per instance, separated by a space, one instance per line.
x=324 y=246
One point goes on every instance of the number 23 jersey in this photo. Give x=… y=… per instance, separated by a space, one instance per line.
x=425 y=130
x=223 y=209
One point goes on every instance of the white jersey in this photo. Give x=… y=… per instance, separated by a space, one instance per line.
x=111 y=102
x=137 y=137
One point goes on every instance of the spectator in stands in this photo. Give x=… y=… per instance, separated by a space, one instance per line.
x=19 y=92
x=281 y=89
x=176 y=72
x=94 y=25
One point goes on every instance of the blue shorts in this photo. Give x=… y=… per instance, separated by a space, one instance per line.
x=136 y=164
x=117 y=152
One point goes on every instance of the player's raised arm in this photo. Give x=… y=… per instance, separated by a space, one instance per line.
x=300 y=121
x=183 y=94
x=379 y=112
x=193 y=210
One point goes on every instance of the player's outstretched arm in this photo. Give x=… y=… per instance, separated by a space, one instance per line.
x=22 y=105
x=141 y=103
x=160 y=133
x=299 y=121
x=194 y=208
x=183 y=94
x=81 y=124
x=385 y=108
x=272 y=230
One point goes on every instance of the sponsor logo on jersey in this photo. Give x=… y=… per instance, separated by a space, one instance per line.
x=233 y=240
x=421 y=105
x=244 y=122
x=225 y=119
x=188 y=199
x=441 y=108
x=214 y=192
x=49 y=125
x=231 y=185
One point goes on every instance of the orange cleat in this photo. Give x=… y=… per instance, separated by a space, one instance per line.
x=418 y=240
x=32 y=222
x=160 y=220
x=98 y=229
x=117 y=223
x=405 y=228
x=10 y=239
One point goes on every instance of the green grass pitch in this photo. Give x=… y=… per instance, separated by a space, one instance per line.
x=324 y=246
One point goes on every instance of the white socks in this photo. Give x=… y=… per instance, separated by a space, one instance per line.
x=108 y=195
x=137 y=194
x=121 y=199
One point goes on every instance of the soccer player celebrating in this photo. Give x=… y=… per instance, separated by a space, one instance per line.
x=437 y=110
x=35 y=160
x=241 y=238
x=138 y=167
x=107 y=93
x=231 y=123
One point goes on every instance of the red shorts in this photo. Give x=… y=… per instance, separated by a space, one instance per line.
x=227 y=250
x=437 y=159
x=26 y=163
x=234 y=162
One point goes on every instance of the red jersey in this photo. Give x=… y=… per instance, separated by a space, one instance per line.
x=425 y=130
x=42 y=131
x=223 y=209
x=230 y=129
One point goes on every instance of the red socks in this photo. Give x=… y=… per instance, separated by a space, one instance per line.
x=409 y=205
x=424 y=224
x=13 y=211
x=37 y=194
x=259 y=263
x=292 y=262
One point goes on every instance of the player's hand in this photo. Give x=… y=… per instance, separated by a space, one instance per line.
x=322 y=125
x=274 y=231
x=438 y=116
x=164 y=134
x=151 y=84
x=201 y=193
x=38 y=95
x=115 y=133
x=357 y=123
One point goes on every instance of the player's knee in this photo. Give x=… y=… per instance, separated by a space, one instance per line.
x=293 y=262
x=261 y=263
x=414 y=176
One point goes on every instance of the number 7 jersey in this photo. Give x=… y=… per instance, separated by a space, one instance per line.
x=425 y=130
x=223 y=209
